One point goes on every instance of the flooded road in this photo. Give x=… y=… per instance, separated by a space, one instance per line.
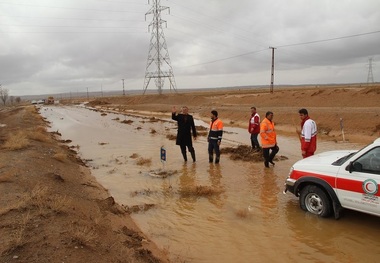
x=246 y=219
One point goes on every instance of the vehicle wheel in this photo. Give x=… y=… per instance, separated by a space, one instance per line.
x=314 y=200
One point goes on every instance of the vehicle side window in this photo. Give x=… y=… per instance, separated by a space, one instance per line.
x=370 y=161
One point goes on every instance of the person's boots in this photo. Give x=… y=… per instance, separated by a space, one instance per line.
x=193 y=156
x=217 y=158
x=210 y=158
x=184 y=156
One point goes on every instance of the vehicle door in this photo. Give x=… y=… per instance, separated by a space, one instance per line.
x=357 y=182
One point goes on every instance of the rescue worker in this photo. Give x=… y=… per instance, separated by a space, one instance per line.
x=186 y=125
x=268 y=139
x=308 y=134
x=254 y=129
x=214 y=137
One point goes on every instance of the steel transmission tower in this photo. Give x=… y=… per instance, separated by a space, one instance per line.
x=370 y=74
x=158 y=64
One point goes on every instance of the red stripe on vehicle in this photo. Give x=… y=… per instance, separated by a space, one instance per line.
x=341 y=184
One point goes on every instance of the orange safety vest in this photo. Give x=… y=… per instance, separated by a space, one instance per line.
x=216 y=130
x=267 y=134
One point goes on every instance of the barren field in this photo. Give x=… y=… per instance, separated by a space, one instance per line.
x=358 y=107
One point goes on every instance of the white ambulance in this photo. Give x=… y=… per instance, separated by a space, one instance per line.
x=328 y=182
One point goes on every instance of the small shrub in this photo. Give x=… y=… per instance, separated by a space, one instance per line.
x=38 y=136
x=17 y=141
x=83 y=235
x=57 y=203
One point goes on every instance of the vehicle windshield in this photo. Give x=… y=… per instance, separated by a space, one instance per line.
x=342 y=160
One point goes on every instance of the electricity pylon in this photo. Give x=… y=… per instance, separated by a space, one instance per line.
x=158 y=64
x=370 y=74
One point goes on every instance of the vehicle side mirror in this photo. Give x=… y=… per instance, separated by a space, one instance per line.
x=349 y=167
x=354 y=166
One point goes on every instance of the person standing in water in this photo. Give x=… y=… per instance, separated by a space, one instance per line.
x=214 y=137
x=268 y=139
x=308 y=134
x=186 y=126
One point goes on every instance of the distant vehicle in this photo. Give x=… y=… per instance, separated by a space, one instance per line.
x=50 y=100
x=331 y=181
x=41 y=102
x=34 y=102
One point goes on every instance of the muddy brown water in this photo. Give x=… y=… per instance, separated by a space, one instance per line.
x=246 y=217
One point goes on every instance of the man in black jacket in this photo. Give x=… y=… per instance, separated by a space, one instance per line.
x=185 y=127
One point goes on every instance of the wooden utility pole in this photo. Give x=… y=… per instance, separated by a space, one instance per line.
x=123 y=87
x=272 y=70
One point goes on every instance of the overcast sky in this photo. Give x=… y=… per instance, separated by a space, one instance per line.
x=63 y=46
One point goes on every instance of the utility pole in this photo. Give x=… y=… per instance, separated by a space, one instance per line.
x=272 y=71
x=370 y=74
x=158 y=51
x=87 y=94
x=123 y=87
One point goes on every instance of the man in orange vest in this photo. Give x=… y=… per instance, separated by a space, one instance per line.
x=268 y=139
x=214 y=137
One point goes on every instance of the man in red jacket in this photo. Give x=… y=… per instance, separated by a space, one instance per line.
x=308 y=134
x=254 y=129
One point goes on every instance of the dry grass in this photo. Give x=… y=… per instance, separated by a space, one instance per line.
x=21 y=203
x=18 y=239
x=17 y=141
x=61 y=156
x=83 y=235
x=38 y=197
x=39 y=134
x=143 y=161
x=58 y=204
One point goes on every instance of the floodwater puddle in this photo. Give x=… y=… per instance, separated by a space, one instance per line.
x=200 y=212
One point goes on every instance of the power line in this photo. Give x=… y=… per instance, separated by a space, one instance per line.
x=289 y=45
x=222 y=59
x=70 y=8
x=329 y=39
x=71 y=19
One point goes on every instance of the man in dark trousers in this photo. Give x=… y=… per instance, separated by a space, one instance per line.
x=214 y=137
x=185 y=127
x=254 y=129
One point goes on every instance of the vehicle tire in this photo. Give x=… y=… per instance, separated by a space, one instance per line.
x=314 y=200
